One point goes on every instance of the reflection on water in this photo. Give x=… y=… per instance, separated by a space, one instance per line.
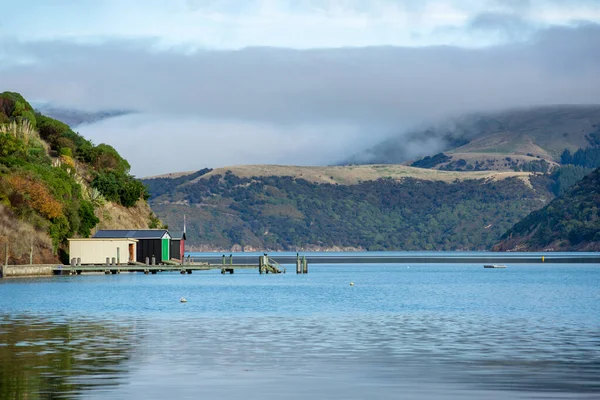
x=58 y=359
x=369 y=356
x=436 y=332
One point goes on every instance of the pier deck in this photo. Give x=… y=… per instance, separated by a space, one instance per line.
x=187 y=268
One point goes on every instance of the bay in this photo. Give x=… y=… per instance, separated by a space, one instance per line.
x=425 y=331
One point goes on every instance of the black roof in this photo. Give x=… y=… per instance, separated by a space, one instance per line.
x=177 y=235
x=135 y=234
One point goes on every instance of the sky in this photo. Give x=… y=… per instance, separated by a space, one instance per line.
x=305 y=82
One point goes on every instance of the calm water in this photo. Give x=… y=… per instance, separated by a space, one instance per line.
x=424 y=332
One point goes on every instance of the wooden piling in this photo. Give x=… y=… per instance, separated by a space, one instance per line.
x=304 y=265
x=6 y=251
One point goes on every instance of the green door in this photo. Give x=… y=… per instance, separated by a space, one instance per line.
x=165 y=249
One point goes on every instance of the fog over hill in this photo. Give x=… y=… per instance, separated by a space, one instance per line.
x=538 y=131
x=75 y=117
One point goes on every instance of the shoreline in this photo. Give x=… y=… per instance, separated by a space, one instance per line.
x=216 y=259
x=428 y=258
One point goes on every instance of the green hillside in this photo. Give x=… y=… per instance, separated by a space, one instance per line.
x=55 y=184
x=323 y=208
x=570 y=222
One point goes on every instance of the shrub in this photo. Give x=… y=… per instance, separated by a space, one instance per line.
x=120 y=188
x=87 y=217
x=36 y=195
x=105 y=157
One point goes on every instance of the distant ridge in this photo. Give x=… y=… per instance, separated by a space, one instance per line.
x=571 y=222
x=538 y=132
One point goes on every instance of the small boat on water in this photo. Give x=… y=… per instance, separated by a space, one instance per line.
x=494 y=266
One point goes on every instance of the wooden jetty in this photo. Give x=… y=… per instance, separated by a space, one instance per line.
x=265 y=266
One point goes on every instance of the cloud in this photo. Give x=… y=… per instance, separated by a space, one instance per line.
x=292 y=106
x=300 y=24
x=157 y=144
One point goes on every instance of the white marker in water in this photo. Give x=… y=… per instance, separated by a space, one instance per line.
x=183 y=300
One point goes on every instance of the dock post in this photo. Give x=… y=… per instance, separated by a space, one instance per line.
x=114 y=261
x=304 y=265
x=230 y=259
x=153 y=260
x=260 y=264
x=147 y=261
x=118 y=255
x=298 y=264
x=73 y=262
x=78 y=261
x=6 y=251
x=223 y=260
x=107 y=261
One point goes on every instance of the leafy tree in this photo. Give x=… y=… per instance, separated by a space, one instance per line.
x=87 y=217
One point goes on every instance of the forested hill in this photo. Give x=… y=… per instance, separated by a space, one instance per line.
x=326 y=208
x=570 y=222
x=55 y=184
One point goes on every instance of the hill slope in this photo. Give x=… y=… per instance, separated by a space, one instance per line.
x=55 y=184
x=570 y=222
x=523 y=135
x=324 y=208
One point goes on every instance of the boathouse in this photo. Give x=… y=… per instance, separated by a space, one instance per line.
x=151 y=242
x=96 y=251
x=177 y=245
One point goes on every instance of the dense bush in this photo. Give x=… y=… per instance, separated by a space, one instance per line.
x=574 y=217
x=288 y=213
x=431 y=162
x=566 y=176
x=88 y=219
x=120 y=188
